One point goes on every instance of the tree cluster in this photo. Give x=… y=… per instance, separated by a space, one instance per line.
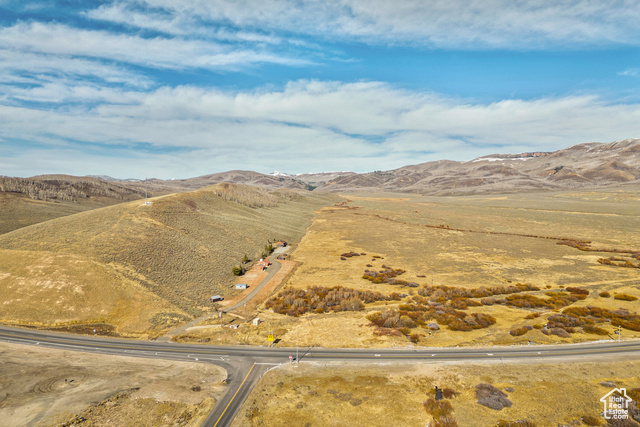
x=316 y=299
x=413 y=315
x=441 y=293
x=386 y=275
x=66 y=189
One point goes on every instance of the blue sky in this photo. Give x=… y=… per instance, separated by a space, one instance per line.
x=167 y=89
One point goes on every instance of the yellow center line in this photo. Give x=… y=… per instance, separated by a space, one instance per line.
x=236 y=393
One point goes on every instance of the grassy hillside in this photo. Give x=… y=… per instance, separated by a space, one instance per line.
x=143 y=267
x=27 y=201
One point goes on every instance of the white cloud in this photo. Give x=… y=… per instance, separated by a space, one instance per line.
x=357 y=126
x=160 y=52
x=179 y=24
x=438 y=23
x=41 y=67
x=630 y=72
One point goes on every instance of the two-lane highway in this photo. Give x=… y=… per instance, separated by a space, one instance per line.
x=245 y=364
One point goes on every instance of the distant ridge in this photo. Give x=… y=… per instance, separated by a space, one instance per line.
x=580 y=166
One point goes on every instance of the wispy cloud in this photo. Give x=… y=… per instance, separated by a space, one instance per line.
x=439 y=23
x=174 y=23
x=630 y=72
x=119 y=86
x=312 y=123
x=160 y=52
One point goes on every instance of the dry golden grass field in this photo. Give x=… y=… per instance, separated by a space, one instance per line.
x=136 y=270
x=469 y=242
x=547 y=394
x=19 y=210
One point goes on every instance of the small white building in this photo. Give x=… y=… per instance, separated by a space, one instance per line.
x=241 y=286
x=216 y=298
x=256 y=321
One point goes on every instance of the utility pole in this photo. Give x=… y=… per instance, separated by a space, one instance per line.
x=296 y=347
x=619 y=332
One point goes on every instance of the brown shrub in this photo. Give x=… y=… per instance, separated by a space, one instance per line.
x=518 y=331
x=296 y=302
x=532 y=316
x=446 y=421
x=592 y=329
x=560 y=332
x=625 y=297
x=449 y=393
x=580 y=291
x=437 y=408
x=583 y=245
x=591 y=420
x=492 y=397
x=604 y=294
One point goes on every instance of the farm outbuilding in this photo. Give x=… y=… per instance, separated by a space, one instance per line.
x=241 y=286
x=216 y=298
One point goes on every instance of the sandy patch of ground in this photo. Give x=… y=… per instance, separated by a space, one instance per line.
x=42 y=387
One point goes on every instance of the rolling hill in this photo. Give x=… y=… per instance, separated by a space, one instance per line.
x=26 y=201
x=587 y=165
x=580 y=166
x=140 y=268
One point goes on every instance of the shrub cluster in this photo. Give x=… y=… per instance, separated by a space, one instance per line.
x=555 y=300
x=520 y=331
x=618 y=262
x=441 y=293
x=591 y=420
x=492 y=397
x=570 y=321
x=295 y=302
x=351 y=254
x=620 y=317
x=625 y=297
x=573 y=318
x=412 y=315
x=583 y=245
x=593 y=329
x=577 y=291
x=440 y=410
x=386 y=275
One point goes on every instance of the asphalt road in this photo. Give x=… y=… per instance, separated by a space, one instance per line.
x=246 y=364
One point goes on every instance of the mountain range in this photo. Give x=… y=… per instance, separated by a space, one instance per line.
x=580 y=166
